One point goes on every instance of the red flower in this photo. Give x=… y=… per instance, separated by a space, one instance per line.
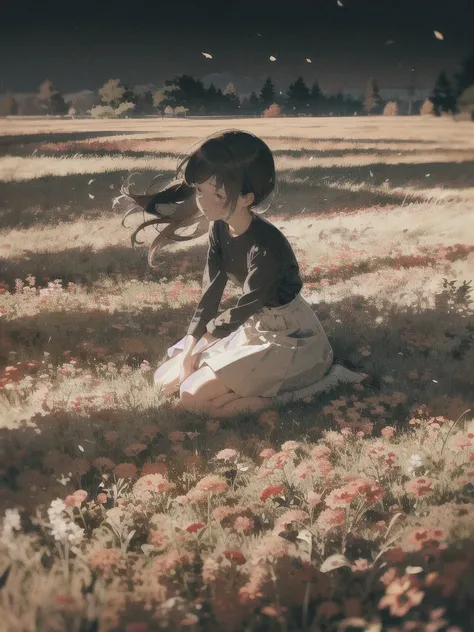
x=271 y=490
x=235 y=556
x=195 y=526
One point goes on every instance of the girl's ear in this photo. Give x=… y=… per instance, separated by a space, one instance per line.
x=249 y=198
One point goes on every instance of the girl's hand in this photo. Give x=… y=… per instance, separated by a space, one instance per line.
x=188 y=366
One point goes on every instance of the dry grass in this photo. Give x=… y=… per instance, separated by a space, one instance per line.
x=378 y=211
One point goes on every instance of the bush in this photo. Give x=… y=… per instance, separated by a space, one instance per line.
x=272 y=111
x=427 y=108
x=107 y=111
x=391 y=109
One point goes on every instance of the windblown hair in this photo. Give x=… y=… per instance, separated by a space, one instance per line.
x=239 y=160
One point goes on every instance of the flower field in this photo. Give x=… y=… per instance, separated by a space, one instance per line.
x=353 y=510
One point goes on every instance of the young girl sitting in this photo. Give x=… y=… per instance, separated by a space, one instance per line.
x=270 y=348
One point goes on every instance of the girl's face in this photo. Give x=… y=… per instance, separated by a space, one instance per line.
x=210 y=201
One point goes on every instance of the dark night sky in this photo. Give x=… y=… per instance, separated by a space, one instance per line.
x=80 y=46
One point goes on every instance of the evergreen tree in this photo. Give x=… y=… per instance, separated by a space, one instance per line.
x=267 y=94
x=443 y=98
x=299 y=96
x=317 y=100
x=373 y=102
x=465 y=78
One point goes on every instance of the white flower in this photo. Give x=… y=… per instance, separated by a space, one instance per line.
x=415 y=462
x=66 y=531
x=11 y=522
x=56 y=509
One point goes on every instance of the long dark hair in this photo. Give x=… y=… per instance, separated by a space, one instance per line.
x=239 y=160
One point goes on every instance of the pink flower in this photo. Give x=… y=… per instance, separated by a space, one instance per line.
x=226 y=455
x=235 y=556
x=195 y=526
x=320 y=452
x=400 y=596
x=330 y=518
x=340 y=498
x=304 y=469
x=324 y=467
x=151 y=483
x=313 y=499
x=388 y=432
x=292 y=515
x=102 y=498
x=212 y=484
x=419 y=487
x=290 y=445
x=267 y=453
x=271 y=490
x=243 y=524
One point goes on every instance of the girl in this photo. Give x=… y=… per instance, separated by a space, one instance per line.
x=269 y=348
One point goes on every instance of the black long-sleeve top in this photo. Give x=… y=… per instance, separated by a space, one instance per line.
x=260 y=260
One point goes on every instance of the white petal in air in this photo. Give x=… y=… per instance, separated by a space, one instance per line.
x=388 y=42
x=207 y=55
x=91 y=181
x=309 y=60
x=272 y=58
x=438 y=35
x=91 y=196
x=339 y=3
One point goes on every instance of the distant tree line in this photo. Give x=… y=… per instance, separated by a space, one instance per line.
x=186 y=96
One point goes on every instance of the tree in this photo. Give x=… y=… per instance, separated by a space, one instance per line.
x=112 y=92
x=465 y=78
x=186 y=91
x=372 y=99
x=50 y=100
x=391 y=109
x=299 y=96
x=317 y=100
x=443 y=98
x=8 y=105
x=427 y=108
x=145 y=103
x=267 y=94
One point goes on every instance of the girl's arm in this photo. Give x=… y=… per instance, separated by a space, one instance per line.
x=263 y=278
x=213 y=283
x=204 y=343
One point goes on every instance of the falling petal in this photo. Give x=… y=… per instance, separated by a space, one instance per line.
x=207 y=55
x=91 y=181
x=272 y=58
x=371 y=174
x=91 y=196
x=111 y=186
x=427 y=175
x=309 y=60
x=339 y=3
x=80 y=448
x=259 y=34
x=438 y=35
x=388 y=42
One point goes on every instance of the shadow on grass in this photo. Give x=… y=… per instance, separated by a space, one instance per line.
x=277 y=153
x=392 y=355
x=458 y=175
x=50 y=200
x=12 y=143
